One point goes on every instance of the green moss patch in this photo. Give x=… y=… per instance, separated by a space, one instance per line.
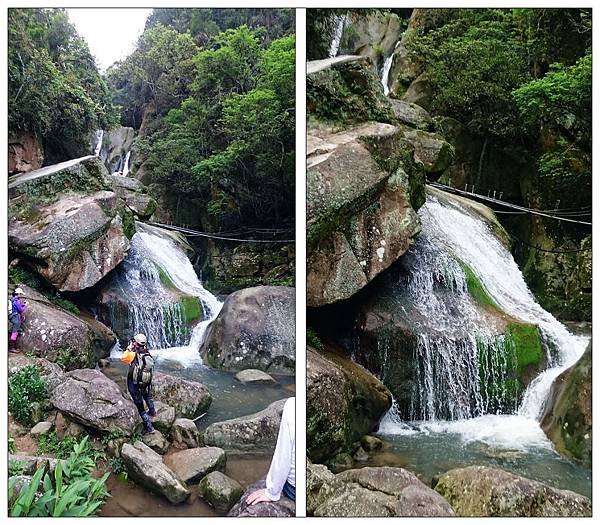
x=191 y=308
x=477 y=290
x=527 y=344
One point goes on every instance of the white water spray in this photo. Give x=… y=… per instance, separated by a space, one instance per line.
x=99 y=137
x=387 y=66
x=125 y=170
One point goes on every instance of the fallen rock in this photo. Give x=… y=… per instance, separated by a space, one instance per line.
x=188 y=398
x=184 y=432
x=567 y=420
x=430 y=149
x=254 y=377
x=487 y=491
x=88 y=397
x=41 y=428
x=73 y=231
x=134 y=193
x=52 y=333
x=344 y=402
x=193 y=464
x=145 y=467
x=254 y=329
x=156 y=442
x=284 y=508
x=411 y=114
x=164 y=418
x=220 y=492
x=371 y=443
x=254 y=433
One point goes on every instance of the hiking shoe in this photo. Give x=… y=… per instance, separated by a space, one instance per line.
x=150 y=430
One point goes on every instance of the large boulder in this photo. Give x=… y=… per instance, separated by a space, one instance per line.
x=343 y=403
x=254 y=329
x=430 y=149
x=420 y=92
x=188 y=398
x=66 y=225
x=135 y=195
x=89 y=397
x=363 y=187
x=219 y=491
x=253 y=433
x=49 y=371
x=567 y=420
x=25 y=152
x=487 y=491
x=194 y=463
x=53 y=333
x=411 y=114
x=146 y=467
x=371 y=492
x=284 y=508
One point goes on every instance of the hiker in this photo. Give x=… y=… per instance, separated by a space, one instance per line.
x=282 y=473
x=16 y=317
x=139 y=378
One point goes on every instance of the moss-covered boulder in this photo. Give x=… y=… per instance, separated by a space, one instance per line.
x=487 y=491
x=254 y=329
x=220 y=491
x=567 y=420
x=346 y=89
x=344 y=402
x=135 y=195
x=66 y=225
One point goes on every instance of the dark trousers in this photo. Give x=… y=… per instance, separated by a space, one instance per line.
x=139 y=394
x=290 y=491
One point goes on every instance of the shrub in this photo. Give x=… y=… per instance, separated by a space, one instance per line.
x=24 y=388
x=63 y=448
x=313 y=339
x=69 y=491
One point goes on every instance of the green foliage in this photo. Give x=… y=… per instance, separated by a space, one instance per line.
x=70 y=491
x=54 y=88
x=313 y=339
x=117 y=465
x=12 y=446
x=15 y=467
x=24 y=388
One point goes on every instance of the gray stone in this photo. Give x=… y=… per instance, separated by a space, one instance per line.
x=145 y=467
x=254 y=433
x=184 y=432
x=254 y=329
x=254 y=377
x=411 y=114
x=220 y=492
x=488 y=491
x=88 y=397
x=156 y=442
x=188 y=398
x=194 y=463
x=284 y=508
x=360 y=455
x=41 y=428
x=164 y=418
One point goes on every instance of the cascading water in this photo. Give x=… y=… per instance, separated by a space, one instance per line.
x=98 y=146
x=150 y=308
x=452 y=333
x=387 y=66
x=334 y=47
x=125 y=170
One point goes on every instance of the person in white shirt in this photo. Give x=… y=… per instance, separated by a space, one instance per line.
x=282 y=473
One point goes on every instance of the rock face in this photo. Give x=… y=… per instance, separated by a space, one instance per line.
x=254 y=329
x=254 y=377
x=253 y=433
x=115 y=145
x=62 y=337
x=284 y=508
x=188 y=398
x=135 y=195
x=371 y=491
x=25 y=153
x=486 y=491
x=90 y=398
x=193 y=464
x=220 y=492
x=344 y=402
x=360 y=215
x=146 y=467
x=568 y=416
x=66 y=225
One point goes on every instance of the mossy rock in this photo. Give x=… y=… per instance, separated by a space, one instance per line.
x=192 y=309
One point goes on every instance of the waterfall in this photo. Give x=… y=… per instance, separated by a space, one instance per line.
x=387 y=66
x=456 y=343
x=125 y=170
x=334 y=47
x=152 y=259
x=98 y=146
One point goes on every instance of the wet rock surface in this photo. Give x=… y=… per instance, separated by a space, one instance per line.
x=193 y=464
x=284 y=508
x=220 y=491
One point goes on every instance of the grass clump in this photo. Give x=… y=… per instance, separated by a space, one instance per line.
x=25 y=387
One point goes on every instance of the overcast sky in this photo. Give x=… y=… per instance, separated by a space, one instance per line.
x=111 y=33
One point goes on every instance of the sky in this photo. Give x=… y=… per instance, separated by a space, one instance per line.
x=110 y=33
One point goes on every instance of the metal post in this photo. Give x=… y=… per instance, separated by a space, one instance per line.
x=494 y=194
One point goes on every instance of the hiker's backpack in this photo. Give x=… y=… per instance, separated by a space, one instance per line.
x=143 y=368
